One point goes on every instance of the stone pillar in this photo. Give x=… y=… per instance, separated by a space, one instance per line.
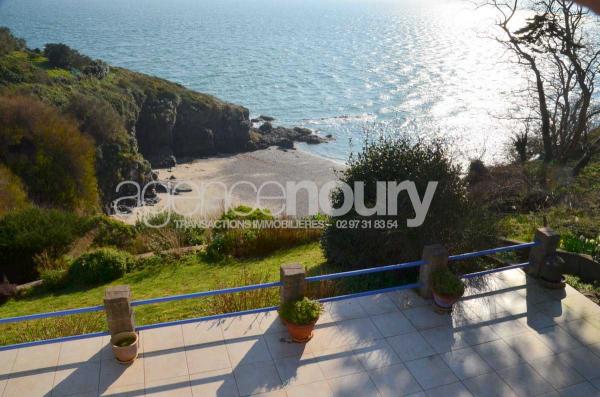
x=293 y=282
x=436 y=257
x=548 y=241
x=119 y=314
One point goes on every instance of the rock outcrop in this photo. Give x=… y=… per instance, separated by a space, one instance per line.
x=151 y=122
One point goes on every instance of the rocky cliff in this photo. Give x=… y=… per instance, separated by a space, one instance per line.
x=137 y=121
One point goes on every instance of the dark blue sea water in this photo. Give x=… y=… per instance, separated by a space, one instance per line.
x=337 y=66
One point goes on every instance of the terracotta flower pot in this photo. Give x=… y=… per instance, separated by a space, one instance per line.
x=300 y=333
x=444 y=303
x=125 y=354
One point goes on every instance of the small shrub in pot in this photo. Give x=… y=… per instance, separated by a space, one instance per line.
x=447 y=288
x=300 y=318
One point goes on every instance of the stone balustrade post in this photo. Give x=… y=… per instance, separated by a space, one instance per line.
x=119 y=313
x=548 y=241
x=436 y=257
x=293 y=279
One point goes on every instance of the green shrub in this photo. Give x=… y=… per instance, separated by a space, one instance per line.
x=62 y=56
x=100 y=266
x=12 y=192
x=302 y=312
x=246 y=300
x=97 y=69
x=9 y=43
x=581 y=245
x=246 y=241
x=245 y=213
x=54 y=279
x=46 y=150
x=401 y=159
x=33 y=231
x=446 y=283
x=113 y=233
x=166 y=232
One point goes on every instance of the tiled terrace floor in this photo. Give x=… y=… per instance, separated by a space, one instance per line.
x=507 y=337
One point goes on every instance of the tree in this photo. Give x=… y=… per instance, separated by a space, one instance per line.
x=386 y=239
x=557 y=49
x=62 y=56
x=48 y=153
x=9 y=43
x=12 y=193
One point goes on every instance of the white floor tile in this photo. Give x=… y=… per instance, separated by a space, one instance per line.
x=431 y=372
x=247 y=350
x=580 y=390
x=317 y=389
x=525 y=381
x=425 y=318
x=295 y=371
x=202 y=332
x=257 y=378
x=352 y=386
x=219 y=383
x=444 y=339
x=207 y=357
x=158 y=366
x=394 y=381
x=410 y=346
x=557 y=339
x=391 y=324
x=115 y=375
x=583 y=360
x=338 y=362
x=80 y=351
x=280 y=345
x=174 y=387
x=36 y=357
x=556 y=373
x=377 y=304
x=529 y=346
x=488 y=385
x=406 y=299
x=241 y=326
x=376 y=354
x=34 y=384
x=498 y=354
x=466 y=363
x=162 y=339
x=77 y=379
x=583 y=331
x=452 y=390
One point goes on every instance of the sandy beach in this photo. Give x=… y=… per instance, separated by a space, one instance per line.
x=241 y=174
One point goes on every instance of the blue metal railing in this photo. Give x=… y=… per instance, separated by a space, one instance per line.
x=323 y=277
x=203 y=294
x=61 y=313
x=362 y=272
x=500 y=269
x=471 y=255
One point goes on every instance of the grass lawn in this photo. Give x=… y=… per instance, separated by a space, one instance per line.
x=185 y=275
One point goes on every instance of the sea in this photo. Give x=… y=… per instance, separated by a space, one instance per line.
x=345 y=68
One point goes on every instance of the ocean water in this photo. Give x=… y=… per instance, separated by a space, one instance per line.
x=341 y=67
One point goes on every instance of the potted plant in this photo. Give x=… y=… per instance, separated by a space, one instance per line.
x=447 y=289
x=300 y=318
x=125 y=346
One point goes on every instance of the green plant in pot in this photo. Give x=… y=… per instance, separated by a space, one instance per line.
x=300 y=317
x=447 y=289
x=125 y=347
